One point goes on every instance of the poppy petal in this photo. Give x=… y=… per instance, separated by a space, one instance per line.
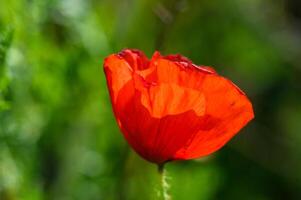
x=227 y=108
x=118 y=73
x=171 y=99
x=156 y=138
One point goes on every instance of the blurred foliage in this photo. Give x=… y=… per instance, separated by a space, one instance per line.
x=59 y=139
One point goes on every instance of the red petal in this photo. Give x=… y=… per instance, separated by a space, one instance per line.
x=135 y=58
x=226 y=107
x=171 y=99
x=156 y=139
x=118 y=73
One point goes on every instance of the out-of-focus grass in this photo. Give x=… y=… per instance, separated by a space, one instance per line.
x=58 y=136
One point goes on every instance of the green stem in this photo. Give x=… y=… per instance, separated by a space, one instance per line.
x=164 y=184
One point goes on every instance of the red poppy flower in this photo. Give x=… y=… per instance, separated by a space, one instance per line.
x=171 y=109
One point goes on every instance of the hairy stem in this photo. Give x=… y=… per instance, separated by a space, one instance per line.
x=164 y=184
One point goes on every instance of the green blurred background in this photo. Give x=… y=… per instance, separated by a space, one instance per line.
x=58 y=136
